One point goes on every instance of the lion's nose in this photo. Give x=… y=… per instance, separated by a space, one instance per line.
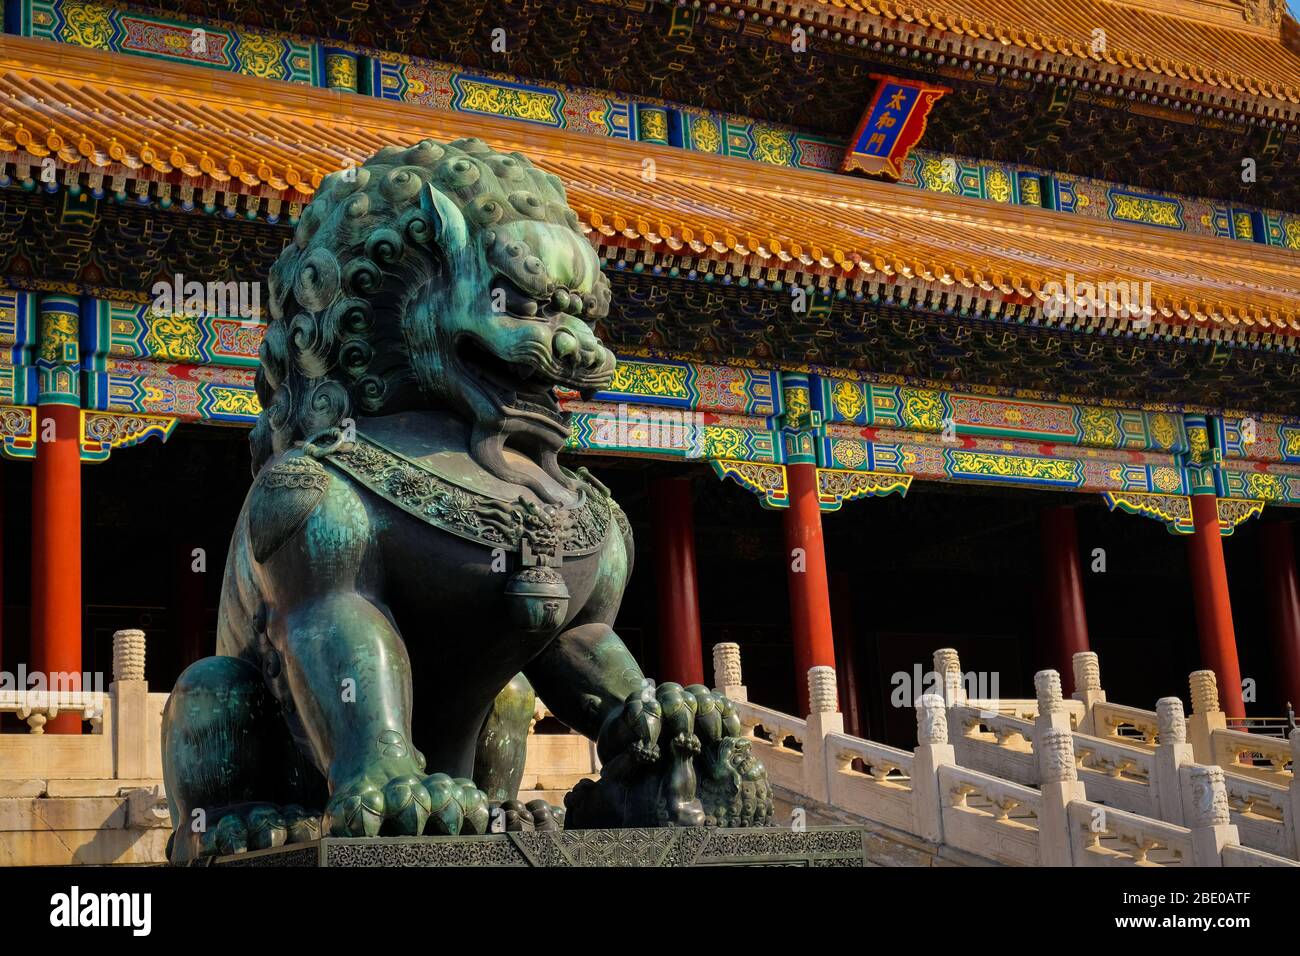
x=571 y=353
x=565 y=345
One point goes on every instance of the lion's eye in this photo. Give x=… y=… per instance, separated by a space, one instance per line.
x=509 y=298
x=569 y=302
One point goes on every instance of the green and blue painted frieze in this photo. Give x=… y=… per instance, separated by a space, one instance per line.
x=104 y=27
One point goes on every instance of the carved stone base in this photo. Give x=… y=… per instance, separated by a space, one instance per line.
x=771 y=846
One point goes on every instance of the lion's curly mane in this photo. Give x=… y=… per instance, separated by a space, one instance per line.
x=364 y=250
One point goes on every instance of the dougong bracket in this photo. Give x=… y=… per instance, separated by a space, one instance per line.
x=1175 y=511
x=18 y=431
x=836 y=486
x=768 y=481
x=1236 y=511
x=101 y=432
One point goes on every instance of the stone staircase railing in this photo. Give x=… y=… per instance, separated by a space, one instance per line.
x=1141 y=772
x=1212 y=742
x=125 y=724
x=94 y=797
x=38 y=707
x=1017 y=782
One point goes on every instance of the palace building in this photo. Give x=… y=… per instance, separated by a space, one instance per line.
x=940 y=323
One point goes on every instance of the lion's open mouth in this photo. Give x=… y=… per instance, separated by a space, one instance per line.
x=520 y=442
x=516 y=388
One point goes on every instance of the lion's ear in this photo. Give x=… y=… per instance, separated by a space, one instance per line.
x=449 y=229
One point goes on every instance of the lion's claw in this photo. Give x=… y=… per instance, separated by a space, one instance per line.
x=241 y=828
x=406 y=805
x=355 y=811
x=474 y=804
x=302 y=825
x=457 y=806
x=516 y=817
x=645 y=753
x=266 y=828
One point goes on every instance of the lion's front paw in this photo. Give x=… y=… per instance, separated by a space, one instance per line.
x=515 y=817
x=383 y=802
x=238 y=829
x=459 y=807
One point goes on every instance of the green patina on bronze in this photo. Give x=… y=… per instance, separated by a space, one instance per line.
x=411 y=538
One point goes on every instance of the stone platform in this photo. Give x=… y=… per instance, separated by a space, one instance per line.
x=771 y=846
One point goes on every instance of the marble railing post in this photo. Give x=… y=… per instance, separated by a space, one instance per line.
x=130 y=699
x=727 y=679
x=947 y=662
x=1206 y=715
x=1051 y=702
x=1172 y=753
x=932 y=752
x=823 y=718
x=1087 y=688
x=1051 y=712
x=947 y=666
x=1060 y=786
x=1205 y=810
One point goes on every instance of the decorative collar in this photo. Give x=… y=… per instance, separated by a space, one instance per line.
x=547 y=531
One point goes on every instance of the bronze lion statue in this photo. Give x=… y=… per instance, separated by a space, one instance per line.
x=412 y=559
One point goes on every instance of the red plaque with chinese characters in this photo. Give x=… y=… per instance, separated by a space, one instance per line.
x=891 y=126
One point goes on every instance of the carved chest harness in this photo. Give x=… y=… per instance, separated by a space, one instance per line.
x=518 y=526
x=542 y=536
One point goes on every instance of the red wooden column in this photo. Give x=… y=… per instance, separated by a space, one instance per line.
x=56 y=503
x=56 y=553
x=1213 y=608
x=1282 y=587
x=681 y=653
x=810 y=602
x=1065 y=616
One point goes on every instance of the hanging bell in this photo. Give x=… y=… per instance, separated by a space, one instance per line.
x=538 y=599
